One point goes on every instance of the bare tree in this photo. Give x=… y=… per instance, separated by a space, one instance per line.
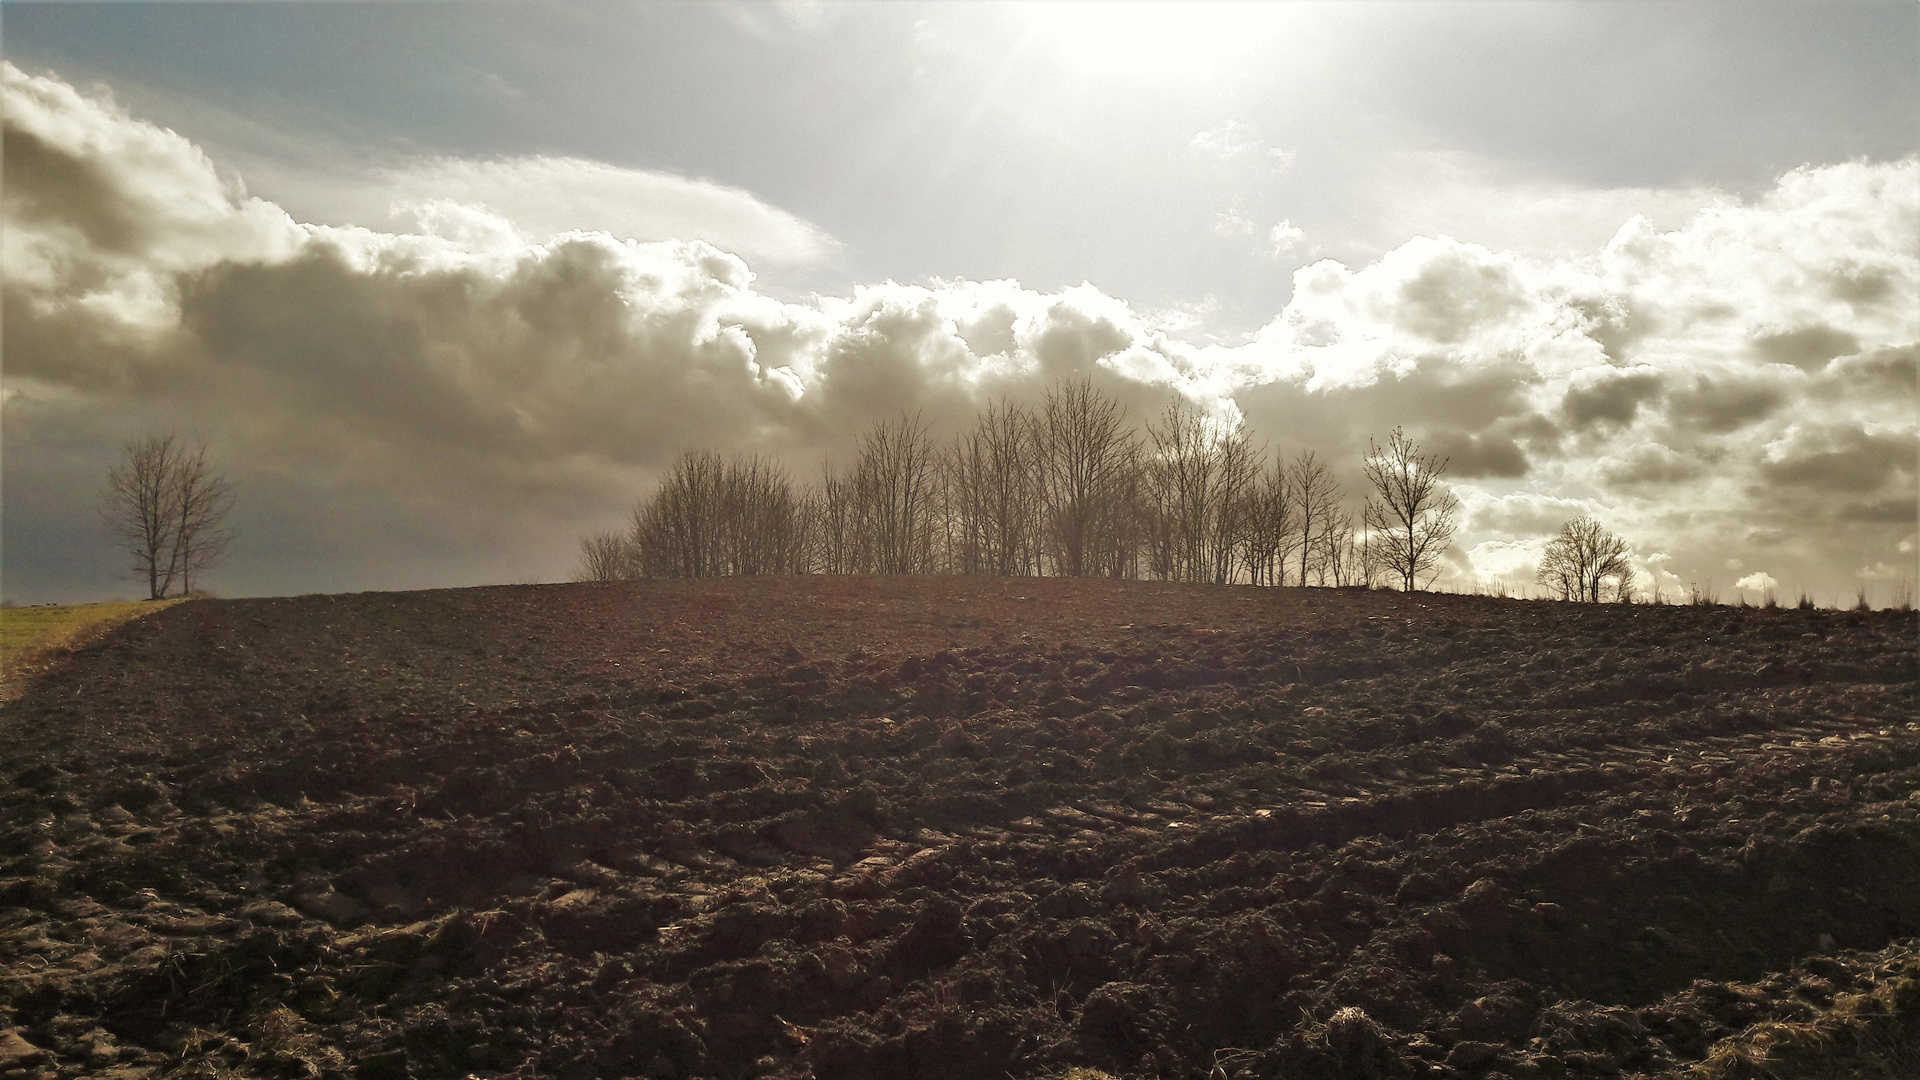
x=1180 y=481
x=895 y=481
x=1082 y=446
x=605 y=555
x=992 y=495
x=1344 y=551
x=1415 y=516
x=202 y=499
x=135 y=508
x=1236 y=479
x=676 y=532
x=1369 y=560
x=1579 y=562
x=166 y=503
x=837 y=528
x=1269 y=535
x=762 y=520
x=711 y=517
x=1122 y=533
x=1316 y=505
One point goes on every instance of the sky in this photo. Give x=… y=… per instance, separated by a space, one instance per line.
x=444 y=286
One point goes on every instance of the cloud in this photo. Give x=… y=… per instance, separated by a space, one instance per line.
x=1839 y=457
x=547 y=196
x=1232 y=139
x=1808 y=347
x=1238 y=143
x=1649 y=465
x=1520 y=514
x=1229 y=223
x=1472 y=456
x=1758 y=581
x=452 y=394
x=1284 y=237
x=1722 y=404
x=1452 y=194
x=1609 y=395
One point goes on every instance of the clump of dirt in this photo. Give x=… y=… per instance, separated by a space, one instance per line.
x=958 y=828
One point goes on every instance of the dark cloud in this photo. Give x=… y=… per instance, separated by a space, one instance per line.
x=589 y=346
x=1722 y=404
x=1613 y=322
x=44 y=185
x=1902 y=510
x=1610 y=396
x=1074 y=339
x=1842 y=458
x=1538 y=433
x=1808 y=348
x=1455 y=291
x=1650 y=465
x=1894 y=371
x=1473 y=456
x=1863 y=285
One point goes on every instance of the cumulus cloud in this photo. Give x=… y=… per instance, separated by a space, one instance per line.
x=456 y=393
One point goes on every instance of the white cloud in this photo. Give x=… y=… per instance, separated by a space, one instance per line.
x=1451 y=194
x=1229 y=223
x=1230 y=140
x=1508 y=562
x=1283 y=238
x=546 y=196
x=1237 y=142
x=1758 y=581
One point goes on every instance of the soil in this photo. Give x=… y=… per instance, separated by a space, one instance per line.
x=941 y=827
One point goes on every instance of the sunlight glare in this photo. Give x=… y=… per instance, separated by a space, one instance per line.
x=1146 y=36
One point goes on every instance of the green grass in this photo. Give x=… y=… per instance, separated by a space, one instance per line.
x=30 y=636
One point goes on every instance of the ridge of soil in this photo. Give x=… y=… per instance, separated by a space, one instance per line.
x=945 y=827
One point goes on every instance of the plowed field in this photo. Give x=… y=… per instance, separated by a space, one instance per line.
x=961 y=828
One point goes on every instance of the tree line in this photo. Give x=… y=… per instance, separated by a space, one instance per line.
x=1069 y=488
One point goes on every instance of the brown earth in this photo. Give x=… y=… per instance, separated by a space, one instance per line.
x=960 y=828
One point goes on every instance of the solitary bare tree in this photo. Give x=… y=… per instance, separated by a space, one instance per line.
x=1579 y=562
x=166 y=503
x=1415 y=516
